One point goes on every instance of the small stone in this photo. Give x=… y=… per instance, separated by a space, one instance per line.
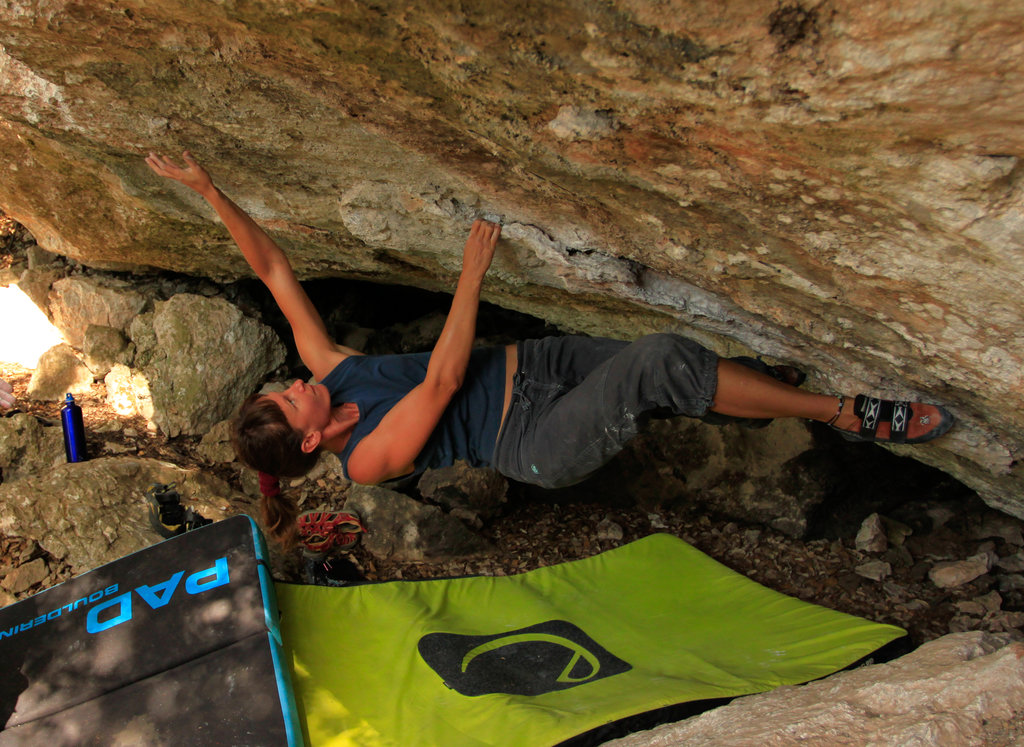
x=215 y=446
x=25 y=576
x=874 y=570
x=105 y=346
x=469 y=518
x=609 y=530
x=1004 y=620
x=896 y=531
x=479 y=491
x=986 y=547
x=656 y=521
x=872 y=537
x=29 y=551
x=899 y=556
x=970 y=607
x=914 y=605
x=991 y=602
x=1011 y=563
x=950 y=574
x=1004 y=527
x=1011 y=582
x=939 y=515
x=963 y=623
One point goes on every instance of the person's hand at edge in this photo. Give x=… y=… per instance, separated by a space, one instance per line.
x=7 y=398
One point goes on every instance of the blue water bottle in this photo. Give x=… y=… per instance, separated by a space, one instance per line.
x=74 y=430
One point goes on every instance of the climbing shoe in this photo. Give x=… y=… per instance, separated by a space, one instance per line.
x=166 y=514
x=331 y=572
x=321 y=532
x=900 y=419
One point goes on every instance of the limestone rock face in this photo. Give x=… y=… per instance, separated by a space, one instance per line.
x=834 y=184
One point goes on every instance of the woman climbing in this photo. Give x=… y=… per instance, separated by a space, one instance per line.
x=548 y=412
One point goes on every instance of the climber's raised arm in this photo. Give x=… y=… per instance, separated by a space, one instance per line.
x=390 y=450
x=266 y=259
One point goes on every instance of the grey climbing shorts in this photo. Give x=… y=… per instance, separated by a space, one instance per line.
x=577 y=401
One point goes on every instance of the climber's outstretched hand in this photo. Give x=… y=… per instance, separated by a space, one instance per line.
x=192 y=175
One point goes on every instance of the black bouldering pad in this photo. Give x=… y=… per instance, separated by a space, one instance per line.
x=175 y=644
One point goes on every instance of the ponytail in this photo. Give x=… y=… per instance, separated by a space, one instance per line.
x=264 y=440
x=278 y=511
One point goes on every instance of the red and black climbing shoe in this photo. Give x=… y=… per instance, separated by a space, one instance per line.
x=321 y=532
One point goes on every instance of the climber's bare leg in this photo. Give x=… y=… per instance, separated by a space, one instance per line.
x=745 y=393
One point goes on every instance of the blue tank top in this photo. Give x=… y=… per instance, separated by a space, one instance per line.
x=468 y=428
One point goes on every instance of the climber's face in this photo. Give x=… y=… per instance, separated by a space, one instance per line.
x=307 y=407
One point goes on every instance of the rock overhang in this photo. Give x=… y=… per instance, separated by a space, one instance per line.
x=840 y=190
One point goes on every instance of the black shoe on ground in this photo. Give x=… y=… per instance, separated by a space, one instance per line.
x=324 y=571
x=166 y=514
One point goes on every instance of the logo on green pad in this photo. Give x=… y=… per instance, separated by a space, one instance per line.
x=550 y=656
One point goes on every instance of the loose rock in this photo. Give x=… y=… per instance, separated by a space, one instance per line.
x=957 y=573
x=872 y=536
x=59 y=371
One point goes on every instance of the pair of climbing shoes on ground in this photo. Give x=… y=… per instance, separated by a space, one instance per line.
x=166 y=513
x=322 y=532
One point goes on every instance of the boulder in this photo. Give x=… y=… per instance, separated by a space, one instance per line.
x=966 y=688
x=86 y=514
x=833 y=187
x=401 y=529
x=201 y=357
x=79 y=301
x=60 y=371
x=128 y=392
x=472 y=494
x=103 y=347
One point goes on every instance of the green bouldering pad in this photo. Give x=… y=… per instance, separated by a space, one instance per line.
x=541 y=657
